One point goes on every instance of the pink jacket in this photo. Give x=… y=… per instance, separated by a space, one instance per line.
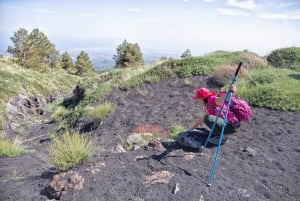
x=213 y=109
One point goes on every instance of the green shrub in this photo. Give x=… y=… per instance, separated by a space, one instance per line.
x=2 y=121
x=225 y=58
x=59 y=113
x=12 y=148
x=96 y=94
x=175 y=130
x=70 y=150
x=285 y=58
x=195 y=66
x=187 y=82
x=272 y=88
x=102 y=110
x=71 y=118
x=50 y=107
x=131 y=83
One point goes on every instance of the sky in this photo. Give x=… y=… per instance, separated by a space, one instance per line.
x=203 y=26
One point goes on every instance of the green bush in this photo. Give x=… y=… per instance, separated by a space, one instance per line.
x=2 y=120
x=102 y=110
x=132 y=83
x=285 y=58
x=272 y=88
x=12 y=148
x=175 y=130
x=195 y=66
x=70 y=150
x=96 y=94
x=59 y=113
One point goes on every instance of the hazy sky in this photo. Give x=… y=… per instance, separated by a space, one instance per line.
x=200 y=25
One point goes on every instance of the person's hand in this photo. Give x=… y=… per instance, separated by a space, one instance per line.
x=232 y=88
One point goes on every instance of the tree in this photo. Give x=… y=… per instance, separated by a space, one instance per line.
x=19 y=50
x=83 y=64
x=163 y=58
x=67 y=63
x=128 y=54
x=186 y=53
x=34 y=50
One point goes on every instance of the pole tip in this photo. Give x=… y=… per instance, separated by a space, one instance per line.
x=201 y=150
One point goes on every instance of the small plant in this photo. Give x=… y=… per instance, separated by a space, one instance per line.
x=59 y=113
x=2 y=112
x=187 y=82
x=175 y=130
x=53 y=105
x=102 y=110
x=127 y=146
x=70 y=150
x=12 y=148
x=52 y=136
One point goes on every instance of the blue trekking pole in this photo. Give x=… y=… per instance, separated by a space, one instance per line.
x=226 y=100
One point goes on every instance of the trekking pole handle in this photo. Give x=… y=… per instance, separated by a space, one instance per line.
x=236 y=73
x=238 y=69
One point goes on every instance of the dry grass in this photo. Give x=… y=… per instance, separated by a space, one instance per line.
x=252 y=61
x=223 y=75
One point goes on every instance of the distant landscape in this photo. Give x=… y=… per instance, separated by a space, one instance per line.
x=102 y=59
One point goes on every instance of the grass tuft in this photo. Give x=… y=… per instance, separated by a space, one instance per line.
x=102 y=110
x=176 y=129
x=12 y=148
x=70 y=150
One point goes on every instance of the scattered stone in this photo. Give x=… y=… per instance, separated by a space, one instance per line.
x=188 y=156
x=23 y=109
x=63 y=182
x=118 y=149
x=95 y=168
x=136 y=139
x=158 y=177
x=139 y=158
x=156 y=145
x=250 y=151
x=147 y=136
x=176 y=188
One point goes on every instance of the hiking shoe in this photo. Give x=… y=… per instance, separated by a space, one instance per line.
x=215 y=140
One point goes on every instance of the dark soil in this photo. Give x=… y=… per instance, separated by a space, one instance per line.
x=259 y=163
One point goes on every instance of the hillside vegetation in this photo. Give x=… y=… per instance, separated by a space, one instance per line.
x=259 y=83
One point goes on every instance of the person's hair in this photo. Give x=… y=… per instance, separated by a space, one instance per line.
x=205 y=100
